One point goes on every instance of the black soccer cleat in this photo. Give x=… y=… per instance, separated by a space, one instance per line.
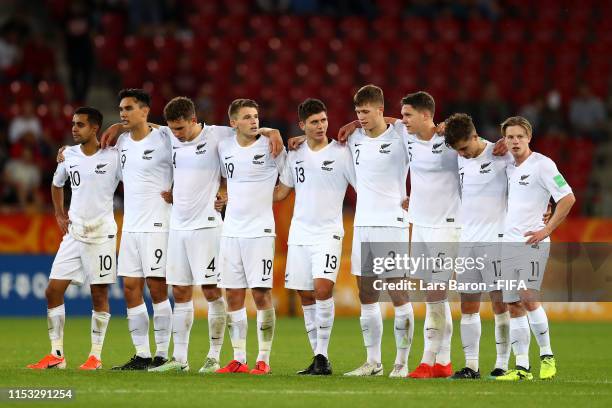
x=307 y=370
x=466 y=373
x=322 y=366
x=158 y=361
x=135 y=363
x=497 y=372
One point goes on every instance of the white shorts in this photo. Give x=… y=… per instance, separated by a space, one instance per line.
x=478 y=264
x=305 y=263
x=246 y=262
x=143 y=254
x=396 y=240
x=81 y=262
x=525 y=264
x=193 y=257
x=433 y=244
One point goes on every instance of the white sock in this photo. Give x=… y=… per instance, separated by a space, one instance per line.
x=182 y=321
x=539 y=327
x=519 y=338
x=162 y=327
x=138 y=324
x=470 y=338
x=325 y=321
x=403 y=328
x=99 y=323
x=502 y=340
x=433 y=331
x=56 y=317
x=444 y=355
x=372 y=330
x=217 y=319
x=266 y=320
x=310 y=321
x=238 y=326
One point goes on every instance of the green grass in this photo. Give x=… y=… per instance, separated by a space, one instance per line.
x=584 y=362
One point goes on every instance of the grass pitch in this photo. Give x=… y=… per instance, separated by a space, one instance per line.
x=584 y=361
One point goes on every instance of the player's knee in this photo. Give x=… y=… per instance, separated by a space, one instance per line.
x=262 y=298
x=470 y=307
x=516 y=309
x=499 y=307
x=307 y=297
x=50 y=293
x=181 y=294
x=211 y=292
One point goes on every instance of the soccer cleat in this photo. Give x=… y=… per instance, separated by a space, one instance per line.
x=442 y=371
x=92 y=363
x=49 y=361
x=366 y=370
x=517 y=374
x=548 y=367
x=210 y=366
x=135 y=363
x=496 y=373
x=466 y=373
x=171 y=365
x=307 y=370
x=158 y=361
x=399 y=371
x=234 y=366
x=422 y=371
x=322 y=366
x=261 y=368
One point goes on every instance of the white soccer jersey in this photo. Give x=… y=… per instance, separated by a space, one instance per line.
x=530 y=186
x=146 y=167
x=484 y=188
x=381 y=167
x=320 y=179
x=196 y=178
x=434 y=181
x=93 y=180
x=251 y=174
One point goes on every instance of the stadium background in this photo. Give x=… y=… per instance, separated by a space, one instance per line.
x=547 y=60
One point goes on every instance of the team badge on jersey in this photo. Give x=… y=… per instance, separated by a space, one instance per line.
x=200 y=148
x=436 y=148
x=257 y=159
x=326 y=165
x=100 y=167
x=146 y=155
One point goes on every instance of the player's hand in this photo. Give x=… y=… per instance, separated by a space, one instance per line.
x=440 y=128
x=60 y=154
x=547 y=214
x=346 y=130
x=500 y=147
x=295 y=142
x=167 y=196
x=62 y=222
x=221 y=201
x=405 y=203
x=537 y=236
x=109 y=137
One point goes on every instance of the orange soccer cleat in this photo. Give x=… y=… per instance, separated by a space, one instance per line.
x=442 y=371
x=261 y=368
x=49 y=361
x=92 y=363
x=234 y=366
x=422 y=371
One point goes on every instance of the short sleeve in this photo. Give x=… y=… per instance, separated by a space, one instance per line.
x=225 y=131
x=280 y=161
x=286 y=177
x=349 y=168
x=553 y=181
x=61 y=175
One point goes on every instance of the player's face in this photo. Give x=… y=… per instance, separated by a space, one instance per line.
x=467 y=148
x=315 y=126
x=82 y=130
x=182 y=129
x=369 y=115
x=131 y=113
x=412 y=119
x=517 y=140
x=246 y=121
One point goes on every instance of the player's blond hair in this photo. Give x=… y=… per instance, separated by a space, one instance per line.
x=516 y=121
x=237 y=104
x=369 y=94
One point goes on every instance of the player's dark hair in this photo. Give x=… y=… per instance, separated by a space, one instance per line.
x=516 y=121
x=310 y=107
x=178 y=108
x=420 y=101
x=458 y=127
x=143 y=98
x=237 y=104
x=94 y=116
x=369 y=94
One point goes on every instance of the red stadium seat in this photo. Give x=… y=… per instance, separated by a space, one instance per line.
x=416 y=29
x=447 y=29
x=480 y=30
x=292 y=26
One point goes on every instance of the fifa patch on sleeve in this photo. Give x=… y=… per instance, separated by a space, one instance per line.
x=559 y=180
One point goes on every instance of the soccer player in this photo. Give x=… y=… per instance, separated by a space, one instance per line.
x=532 y=179
x=87 y=253
x=247 y=242
x=483 y=181
x=146 y=166
x=319 y=171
